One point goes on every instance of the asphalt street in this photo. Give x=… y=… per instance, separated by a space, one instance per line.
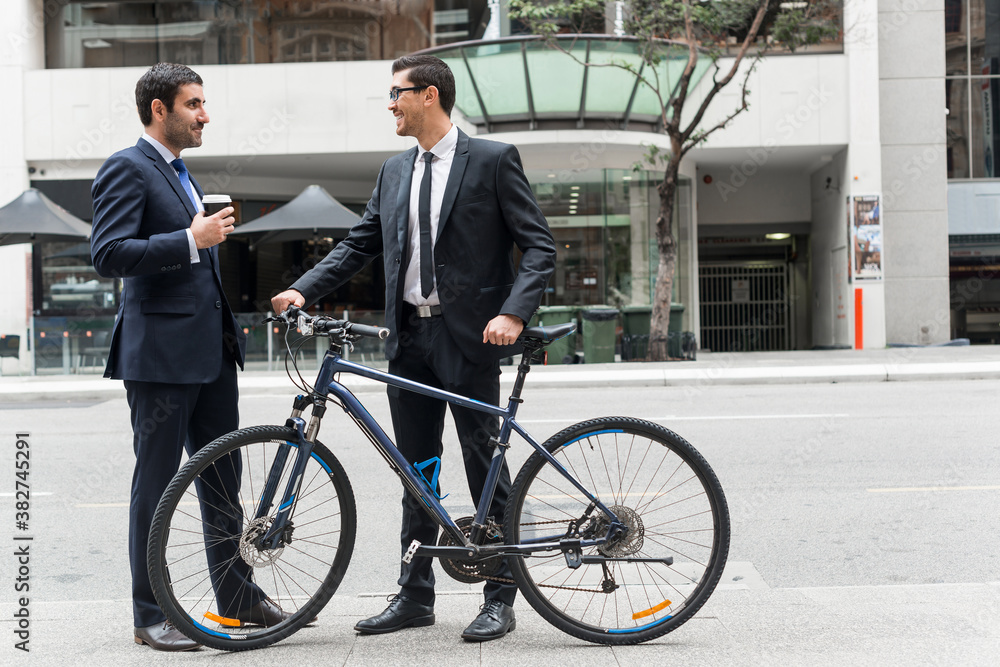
x=863 y=512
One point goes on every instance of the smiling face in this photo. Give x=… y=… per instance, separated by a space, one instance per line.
x=409 y=109
x=182 y=126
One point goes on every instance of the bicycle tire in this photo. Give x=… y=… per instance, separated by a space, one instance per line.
x=670 y=499
x=300 y=577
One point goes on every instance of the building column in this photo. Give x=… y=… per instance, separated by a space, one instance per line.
x=911 y=94
x=22 y=48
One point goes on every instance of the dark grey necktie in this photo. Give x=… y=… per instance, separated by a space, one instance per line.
x=424 y=217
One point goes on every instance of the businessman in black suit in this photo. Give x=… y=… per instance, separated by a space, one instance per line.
x=445 y=216
x=175 y=342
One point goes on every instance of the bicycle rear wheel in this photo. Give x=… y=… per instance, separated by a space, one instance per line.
x=206 y=567
x=666 y=494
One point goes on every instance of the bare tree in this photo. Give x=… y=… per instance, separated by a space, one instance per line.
x=732 y=34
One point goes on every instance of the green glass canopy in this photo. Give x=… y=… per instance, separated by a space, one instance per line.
x=518 y=83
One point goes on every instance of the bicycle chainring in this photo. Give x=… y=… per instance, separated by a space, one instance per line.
x=469 y=572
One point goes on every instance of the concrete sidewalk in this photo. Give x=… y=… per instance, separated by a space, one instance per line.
x=953 y=624
x=804 y=366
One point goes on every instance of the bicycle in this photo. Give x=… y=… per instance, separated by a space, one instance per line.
x=616 y=529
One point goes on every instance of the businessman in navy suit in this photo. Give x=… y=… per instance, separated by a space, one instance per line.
x=175 y=342
x=445 y=216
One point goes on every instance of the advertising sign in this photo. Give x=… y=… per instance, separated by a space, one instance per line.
x=866 y=237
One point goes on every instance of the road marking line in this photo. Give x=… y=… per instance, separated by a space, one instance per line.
x=33 y=493
x=705 y=418
x=907 y=489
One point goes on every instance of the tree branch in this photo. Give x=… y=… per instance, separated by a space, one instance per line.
x=718 y=85
x=691 y=143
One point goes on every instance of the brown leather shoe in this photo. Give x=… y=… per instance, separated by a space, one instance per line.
x=267 y=613
x=164 y=637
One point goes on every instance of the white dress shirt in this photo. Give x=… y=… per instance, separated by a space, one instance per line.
x=444 y=155
x=170 y=157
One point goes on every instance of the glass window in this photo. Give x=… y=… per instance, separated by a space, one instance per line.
x=984 y=18
x=608 y=86
x=556 y=81
x=499 y=78
x=984 y=138
x=70 y=284
x=131 y=33
x=955 y=37
x=956 y=101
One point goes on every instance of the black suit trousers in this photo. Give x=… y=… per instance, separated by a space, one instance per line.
x=429 y=355
x=167 y=419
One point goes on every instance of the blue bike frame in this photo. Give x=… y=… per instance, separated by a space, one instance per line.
x=333 y=364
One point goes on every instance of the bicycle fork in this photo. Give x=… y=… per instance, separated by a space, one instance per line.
x=277 y=533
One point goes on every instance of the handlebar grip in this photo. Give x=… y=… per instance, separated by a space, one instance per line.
x=369 y=331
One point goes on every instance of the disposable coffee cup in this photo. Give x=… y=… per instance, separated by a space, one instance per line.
x=215 y=203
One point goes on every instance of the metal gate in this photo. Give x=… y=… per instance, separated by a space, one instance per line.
x=744 y=307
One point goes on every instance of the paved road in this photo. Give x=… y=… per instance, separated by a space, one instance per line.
x=863 y=530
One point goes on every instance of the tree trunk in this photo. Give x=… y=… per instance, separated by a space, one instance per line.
x=659 y=325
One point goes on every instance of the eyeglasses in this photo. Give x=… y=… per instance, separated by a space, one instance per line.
x=394 y=92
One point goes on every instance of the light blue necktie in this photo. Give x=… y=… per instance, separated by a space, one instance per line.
x=182 y=174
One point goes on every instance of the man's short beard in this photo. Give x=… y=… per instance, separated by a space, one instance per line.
x=179 y=134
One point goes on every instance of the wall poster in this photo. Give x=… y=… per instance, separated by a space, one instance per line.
x=866 y=237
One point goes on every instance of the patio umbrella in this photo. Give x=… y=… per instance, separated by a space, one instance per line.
x=312 y=213
x=34 y=218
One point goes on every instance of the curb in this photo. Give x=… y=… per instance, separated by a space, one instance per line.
x=34 y=388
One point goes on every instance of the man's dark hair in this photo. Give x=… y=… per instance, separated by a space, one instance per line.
x=430 y=71
x=161 y=82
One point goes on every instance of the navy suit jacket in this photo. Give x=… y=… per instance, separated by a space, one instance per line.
x=174 y=324
x=488 y=208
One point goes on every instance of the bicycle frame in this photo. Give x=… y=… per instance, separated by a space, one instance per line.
x=471 y=547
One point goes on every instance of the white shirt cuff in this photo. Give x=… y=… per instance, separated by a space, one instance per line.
x=192 y=247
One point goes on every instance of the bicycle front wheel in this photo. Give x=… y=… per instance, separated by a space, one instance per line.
x=207 y=566
x=645 y=583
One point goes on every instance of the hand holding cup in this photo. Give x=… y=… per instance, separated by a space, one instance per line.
x=212 y=227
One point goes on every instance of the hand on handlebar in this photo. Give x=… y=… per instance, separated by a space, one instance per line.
x=290 y=297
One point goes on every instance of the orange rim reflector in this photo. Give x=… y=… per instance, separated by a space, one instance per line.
x=649 y=612
x=231 y=622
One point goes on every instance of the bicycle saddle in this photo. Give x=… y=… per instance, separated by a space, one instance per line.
x=536 y=337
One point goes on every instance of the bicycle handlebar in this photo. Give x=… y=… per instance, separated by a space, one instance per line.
x=309 y=323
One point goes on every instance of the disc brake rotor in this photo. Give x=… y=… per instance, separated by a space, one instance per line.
x=251 y=554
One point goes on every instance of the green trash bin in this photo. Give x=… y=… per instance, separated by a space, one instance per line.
x=563 y=349
x=676 y=335
x=599 y=325
x=635 y=331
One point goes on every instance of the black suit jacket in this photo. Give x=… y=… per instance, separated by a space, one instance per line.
x=174 y=324
x=488 y=208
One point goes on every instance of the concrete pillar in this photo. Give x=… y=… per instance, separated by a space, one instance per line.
x=22 y=48
x=911 y=96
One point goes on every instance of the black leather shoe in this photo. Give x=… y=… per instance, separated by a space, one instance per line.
x=494 y=621
x=164 y=637
x=402 y=612
x=267 y=613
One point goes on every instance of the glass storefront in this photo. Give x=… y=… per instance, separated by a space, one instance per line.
x=127 y=33
x=603 y=222
x=972 y=92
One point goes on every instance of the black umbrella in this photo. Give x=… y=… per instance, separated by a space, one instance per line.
x=311 y=213
x=34 y=218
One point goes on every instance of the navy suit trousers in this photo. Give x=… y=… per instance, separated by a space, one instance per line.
x=166 y=420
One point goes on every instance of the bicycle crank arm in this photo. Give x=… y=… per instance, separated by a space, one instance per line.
x=453 y=552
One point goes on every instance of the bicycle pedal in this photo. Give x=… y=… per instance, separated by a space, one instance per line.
x=411 y=551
